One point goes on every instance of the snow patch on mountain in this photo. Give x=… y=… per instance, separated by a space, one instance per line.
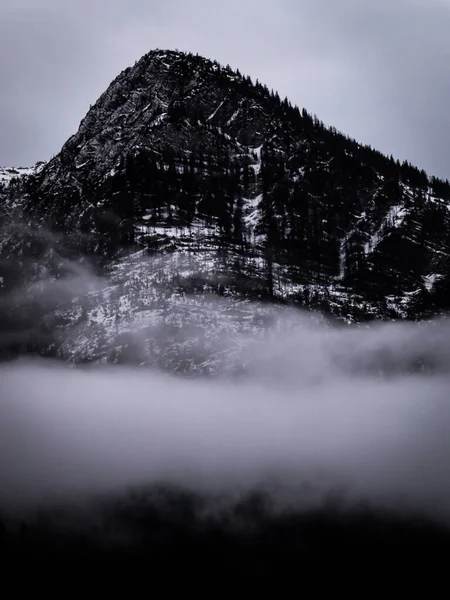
x=7 y=174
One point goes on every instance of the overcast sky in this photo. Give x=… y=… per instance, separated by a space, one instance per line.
x=378 y=70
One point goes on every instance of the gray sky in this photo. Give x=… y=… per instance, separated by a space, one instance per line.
x=378 y=70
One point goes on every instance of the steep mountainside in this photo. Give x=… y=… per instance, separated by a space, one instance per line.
x=224 y=188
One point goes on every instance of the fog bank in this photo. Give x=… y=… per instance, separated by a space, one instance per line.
x=307 y=418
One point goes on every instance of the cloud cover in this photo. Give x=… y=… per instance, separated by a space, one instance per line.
x=307 y=414
x=378 y=71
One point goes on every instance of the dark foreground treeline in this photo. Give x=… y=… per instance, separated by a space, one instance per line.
x=172 y=531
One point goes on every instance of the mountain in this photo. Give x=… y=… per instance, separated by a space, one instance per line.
x=188 y=180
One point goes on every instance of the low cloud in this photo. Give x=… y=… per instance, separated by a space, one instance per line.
x=307 y=411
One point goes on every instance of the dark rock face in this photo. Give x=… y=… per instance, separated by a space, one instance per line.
x=223 y=188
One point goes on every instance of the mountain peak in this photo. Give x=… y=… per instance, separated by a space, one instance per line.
x=169 y=58
x=249 y=195
x=159 y=102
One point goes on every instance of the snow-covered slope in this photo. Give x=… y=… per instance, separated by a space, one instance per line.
x=9 y=173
